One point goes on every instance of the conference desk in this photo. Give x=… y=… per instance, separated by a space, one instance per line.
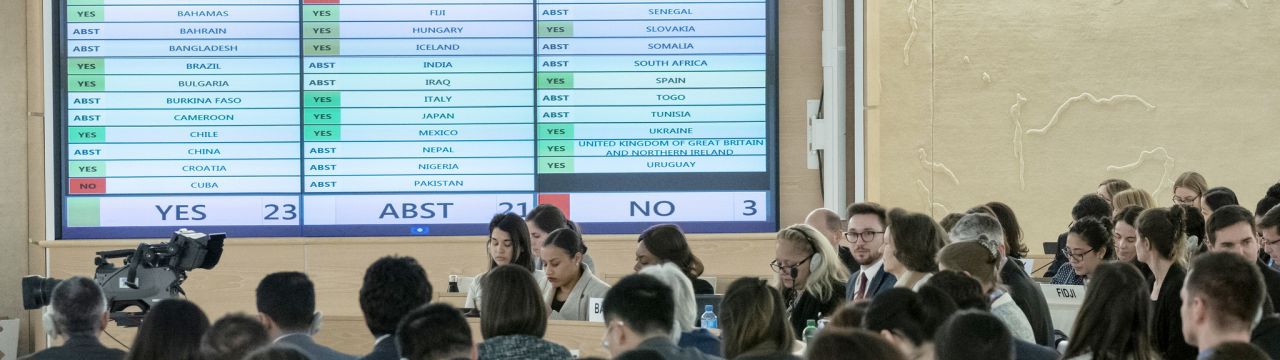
x=348 y=334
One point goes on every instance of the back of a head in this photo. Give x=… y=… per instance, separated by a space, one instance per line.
x=1113 y=320
x=949 y=222
x=1218 y=197
x=917 y=239
x=974 y=334
x=1268 y=201
x=77 y=305
x=172 y=329
x=640 y=354
x=1230 y=287
x=837 y=343
x=288 y=298
x=232 y=337
x=643 y=303
x=1237 y=350
x=1270 y=220
x=973 y=257
x=686 y=306
x=393 y=286
x=978 y=227
x=1111 y=187
x=908 y=314
x=850 y=315
x=512 y=304
x=1132 y=197
x=277 y=352
x=547 y=217
x=1091 y=205
x=826 y=220
x=1225 y=217
x=963 y=289
x=753 y=313
x=435 y=331
x=1193 y=222
x=1012 y=230
x=1163 y=228
x=667 y=242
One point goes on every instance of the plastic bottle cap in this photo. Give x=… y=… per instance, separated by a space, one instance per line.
x=709 y=307
x=813 y=323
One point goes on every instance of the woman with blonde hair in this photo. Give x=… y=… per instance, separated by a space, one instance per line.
x=1132 y=197
x=1110 y=187
x=809 y=274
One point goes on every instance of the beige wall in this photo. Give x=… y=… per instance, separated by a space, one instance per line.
x=1194 y=82
x=337 y=264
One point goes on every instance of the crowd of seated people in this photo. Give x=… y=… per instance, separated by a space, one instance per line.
x=1194 y=280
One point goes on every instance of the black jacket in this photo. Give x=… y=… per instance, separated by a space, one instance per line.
x=1271 y=279
x=1166 y=318
x=384 y=350
x=812 y=308
x=79 y=348
x=1030 y=299
x=1267 y=336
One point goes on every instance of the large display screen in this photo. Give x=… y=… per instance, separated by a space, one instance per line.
x=413 y=117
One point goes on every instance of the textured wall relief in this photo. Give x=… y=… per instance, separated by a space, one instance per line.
x=929 y=205
x=1015 y=114
x=1019 y=140
x=1158 y=152
x=936 y=167
x=911 y=36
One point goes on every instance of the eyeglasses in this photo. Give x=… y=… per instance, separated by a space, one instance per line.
x=1266 y=242
x=778 y=267
x=1185 y=200
x=866 y=236
x=1075 y=257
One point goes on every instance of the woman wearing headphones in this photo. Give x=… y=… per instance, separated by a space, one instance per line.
x=809 y=274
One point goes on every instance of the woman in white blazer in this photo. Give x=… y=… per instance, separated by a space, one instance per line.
x=572 y=285
x=508 y=244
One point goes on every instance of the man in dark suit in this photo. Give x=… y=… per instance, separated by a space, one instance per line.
x=1025 y=292
x=79 y=313
x=287 y=309
x=393 y=286
x=1231 y=229
x=865 y=237
x=828 y=223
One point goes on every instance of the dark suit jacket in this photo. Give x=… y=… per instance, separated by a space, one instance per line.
x=78 y=348
x=702 y=287
x=1271 y=279
x=1267 y=336
x=316 y=351
x=1166 y=318
x=670 y=351
x=1027 y=295
x=876 y=285
x=384 y=350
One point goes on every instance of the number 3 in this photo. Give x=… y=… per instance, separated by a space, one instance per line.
x=749 y=208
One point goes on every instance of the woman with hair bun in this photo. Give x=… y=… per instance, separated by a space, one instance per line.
x=1160 y=245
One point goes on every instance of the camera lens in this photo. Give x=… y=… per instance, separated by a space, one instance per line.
x=36 y=291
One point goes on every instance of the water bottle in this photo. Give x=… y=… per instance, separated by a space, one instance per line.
x=709 y=319
x=810 y=331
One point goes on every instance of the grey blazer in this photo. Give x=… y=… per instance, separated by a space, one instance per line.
x=313 y=350
x=577 y=305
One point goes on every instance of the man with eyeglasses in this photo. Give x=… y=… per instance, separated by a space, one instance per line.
x=1231 y=229
x=865 y=238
